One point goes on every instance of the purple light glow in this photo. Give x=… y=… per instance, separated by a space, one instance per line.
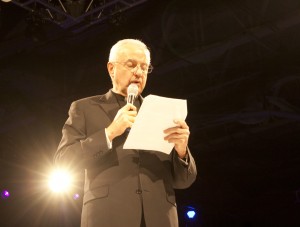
x=76 y=196
x=5 y=194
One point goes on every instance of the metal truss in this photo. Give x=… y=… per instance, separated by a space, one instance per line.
x=77 y=15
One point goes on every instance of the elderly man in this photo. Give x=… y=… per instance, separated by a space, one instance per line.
x=124 y=187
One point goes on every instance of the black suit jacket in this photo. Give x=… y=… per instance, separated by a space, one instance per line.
x=120 y=183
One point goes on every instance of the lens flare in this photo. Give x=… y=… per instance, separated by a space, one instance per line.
x=76 y=196
x=5 y=194
x=60 y=181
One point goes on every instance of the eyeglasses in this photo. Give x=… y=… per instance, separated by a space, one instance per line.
x=132 y=64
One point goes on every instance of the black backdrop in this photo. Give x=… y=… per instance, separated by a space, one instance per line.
x=237 y=64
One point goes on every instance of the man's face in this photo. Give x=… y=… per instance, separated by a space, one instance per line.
x=123 y=72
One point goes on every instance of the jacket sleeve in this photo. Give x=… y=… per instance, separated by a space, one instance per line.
x=183 y=175
x=77 y=149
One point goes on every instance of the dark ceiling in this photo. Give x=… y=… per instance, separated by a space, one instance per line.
x=236 y=62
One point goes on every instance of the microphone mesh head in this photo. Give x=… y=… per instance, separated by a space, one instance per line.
x=132 y=89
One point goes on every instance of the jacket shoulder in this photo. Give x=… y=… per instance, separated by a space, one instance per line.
x=95 y=98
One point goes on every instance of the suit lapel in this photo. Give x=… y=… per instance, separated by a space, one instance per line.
x=108 y=103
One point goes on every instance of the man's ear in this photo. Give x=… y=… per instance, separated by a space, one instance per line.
x=110 y=69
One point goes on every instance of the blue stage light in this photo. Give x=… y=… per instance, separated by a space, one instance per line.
x=191 y=214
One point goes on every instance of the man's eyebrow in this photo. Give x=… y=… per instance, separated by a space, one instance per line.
x=136 y=61
x=130 y=59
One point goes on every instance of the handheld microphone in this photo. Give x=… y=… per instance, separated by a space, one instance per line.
x=132 y=92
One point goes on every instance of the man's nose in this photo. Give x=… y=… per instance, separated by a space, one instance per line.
x=138 y=71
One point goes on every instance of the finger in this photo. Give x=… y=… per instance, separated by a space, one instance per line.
x=178 y=141
x=181 y=123
x=177 y=136
x=177 y=130
x=171 y=130
x=131 y=119
x=129 y=106
x=131 y=113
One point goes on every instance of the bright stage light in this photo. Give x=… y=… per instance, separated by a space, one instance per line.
x=60 y=181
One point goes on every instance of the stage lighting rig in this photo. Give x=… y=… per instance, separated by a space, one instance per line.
x=77 y=15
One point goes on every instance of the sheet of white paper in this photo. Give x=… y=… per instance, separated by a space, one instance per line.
x=155 y=115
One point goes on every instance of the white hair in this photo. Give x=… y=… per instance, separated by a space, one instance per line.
x=114 y=51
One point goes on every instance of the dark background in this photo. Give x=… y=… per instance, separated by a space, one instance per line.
x=236 y=62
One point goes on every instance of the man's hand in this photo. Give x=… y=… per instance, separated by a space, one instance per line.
x=179 y=135
x=123 y=120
